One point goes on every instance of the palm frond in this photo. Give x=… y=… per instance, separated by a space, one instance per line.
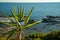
x=16 y=19
x=9 y=35
x=28 y=16
x=9 y=32
x=6 y=16
x=8 y=24
x=22 y=14
x=19 y=13
x=33 y=24
x=13 y=12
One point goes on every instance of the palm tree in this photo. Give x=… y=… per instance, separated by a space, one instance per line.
x=18 y=17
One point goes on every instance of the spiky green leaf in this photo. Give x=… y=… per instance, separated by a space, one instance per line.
x=6 y=16
x=9 y=32
x=19 y=13
x=28 y=16
x=33 y=24
x=9 y=35
x=16 y=18
x=8 y=24
x=22 y=14
x=13 y=12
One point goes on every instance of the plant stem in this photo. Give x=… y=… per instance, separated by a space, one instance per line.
x=19 y=36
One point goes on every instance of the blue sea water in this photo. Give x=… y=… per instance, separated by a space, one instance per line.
x=41 y=10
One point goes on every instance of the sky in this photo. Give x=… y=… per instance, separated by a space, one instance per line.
x=29 y=0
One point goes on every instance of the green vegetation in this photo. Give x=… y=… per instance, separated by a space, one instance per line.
x=18 y=16
x=54 y=35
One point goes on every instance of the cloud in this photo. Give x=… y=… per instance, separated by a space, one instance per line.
x=29 y=0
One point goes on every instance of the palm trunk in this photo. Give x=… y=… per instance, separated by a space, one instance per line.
x=19 y=36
